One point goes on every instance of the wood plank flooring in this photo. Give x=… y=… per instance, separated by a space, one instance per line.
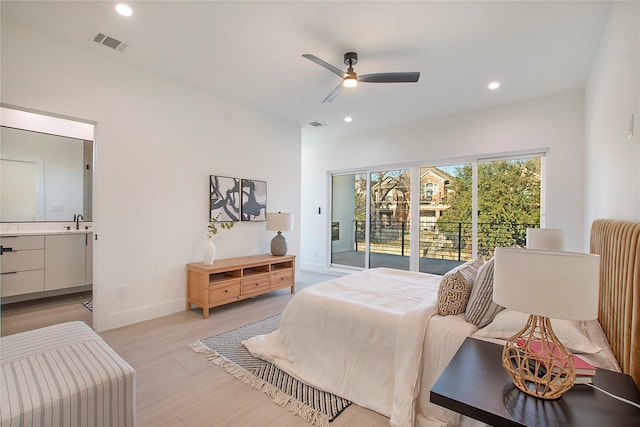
x=27 y=315
x=178 y=387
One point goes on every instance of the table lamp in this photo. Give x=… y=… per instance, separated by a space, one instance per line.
x=279 y=222
x=545 y=238
x=544 y=284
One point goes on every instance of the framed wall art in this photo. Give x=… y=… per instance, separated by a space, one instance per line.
x=225 y=198
x=254 y=200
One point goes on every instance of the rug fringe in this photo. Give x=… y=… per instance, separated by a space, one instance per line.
x=300 y=409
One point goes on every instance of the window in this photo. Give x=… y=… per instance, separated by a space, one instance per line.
x=462 y=210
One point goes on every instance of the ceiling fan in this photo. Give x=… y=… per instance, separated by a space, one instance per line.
x=351 y=79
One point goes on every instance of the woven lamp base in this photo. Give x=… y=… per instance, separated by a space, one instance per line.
x=546 y=372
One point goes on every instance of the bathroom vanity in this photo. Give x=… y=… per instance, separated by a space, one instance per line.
x=44 y=263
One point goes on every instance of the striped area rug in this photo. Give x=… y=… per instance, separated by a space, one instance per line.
x=226 y=350
x=88 y=304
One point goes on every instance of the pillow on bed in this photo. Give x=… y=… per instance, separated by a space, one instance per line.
x=481 y=309
x=570 y=332
x=455 y=288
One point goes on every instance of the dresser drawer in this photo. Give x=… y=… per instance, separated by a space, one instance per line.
x=224 y=291
x=23 y=260
x=281 y=279
x=255 y=283
x=22 y=282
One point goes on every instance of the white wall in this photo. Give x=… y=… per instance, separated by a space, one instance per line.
x=156 y=144
x=613 y=95
x=554 y=123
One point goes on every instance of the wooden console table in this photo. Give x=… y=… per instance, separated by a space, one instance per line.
x=234 y=279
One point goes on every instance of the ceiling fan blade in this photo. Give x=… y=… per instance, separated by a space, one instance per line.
x=333 y=94
x=409 y=77
x=326 y=65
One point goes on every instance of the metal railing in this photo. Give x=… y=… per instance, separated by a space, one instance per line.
x=441 y=240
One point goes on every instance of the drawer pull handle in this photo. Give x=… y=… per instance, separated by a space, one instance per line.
x=226 y=291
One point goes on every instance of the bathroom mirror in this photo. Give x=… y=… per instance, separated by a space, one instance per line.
x=44 y=177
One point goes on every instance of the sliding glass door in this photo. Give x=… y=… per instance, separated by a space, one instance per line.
x=390 y=225
x=508 y=202
x=445 y=238
x=348 y=219
x=460 y=211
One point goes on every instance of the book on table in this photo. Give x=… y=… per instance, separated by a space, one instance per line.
x=583 y=379
x=584 y=370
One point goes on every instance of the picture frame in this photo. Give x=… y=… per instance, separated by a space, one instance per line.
x=254 y=200
x=225 y=198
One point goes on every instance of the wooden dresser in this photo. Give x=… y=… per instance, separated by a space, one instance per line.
x=234 y=279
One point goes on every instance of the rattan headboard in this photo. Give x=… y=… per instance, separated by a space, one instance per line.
x=618 y=244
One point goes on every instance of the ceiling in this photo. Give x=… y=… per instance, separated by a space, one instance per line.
x=250 y=52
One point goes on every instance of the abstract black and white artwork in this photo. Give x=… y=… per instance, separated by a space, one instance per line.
x=254 y=200
x=225 y=198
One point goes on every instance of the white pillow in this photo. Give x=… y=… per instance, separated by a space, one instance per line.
x=570 y=332
x=481 y=309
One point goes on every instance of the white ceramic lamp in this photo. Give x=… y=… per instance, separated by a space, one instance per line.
x=279 y=222
x=544 y=284
x=545 y=238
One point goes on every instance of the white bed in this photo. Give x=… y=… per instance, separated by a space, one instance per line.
x=64 y=375
x=374 y=337
x=362 y=337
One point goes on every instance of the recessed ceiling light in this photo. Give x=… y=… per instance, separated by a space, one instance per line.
x=494 y=85
x=348 y=119
x=123 y=9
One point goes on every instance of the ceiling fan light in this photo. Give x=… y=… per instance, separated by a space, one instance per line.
x=350 y=82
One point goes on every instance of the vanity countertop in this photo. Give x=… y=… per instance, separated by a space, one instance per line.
x=35 y=229
x=43 y=232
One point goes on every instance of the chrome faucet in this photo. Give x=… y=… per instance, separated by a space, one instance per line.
x=77 y=219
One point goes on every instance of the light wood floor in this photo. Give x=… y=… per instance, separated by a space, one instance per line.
x=178 y=387
x=27 y=315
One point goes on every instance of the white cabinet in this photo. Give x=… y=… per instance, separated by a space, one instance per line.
x=34 y=264
x=22 y=265
x=64 y=261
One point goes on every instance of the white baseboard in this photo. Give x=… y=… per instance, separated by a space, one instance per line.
x=140 y=314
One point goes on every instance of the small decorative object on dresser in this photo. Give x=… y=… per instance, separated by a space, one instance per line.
x=209 y=249
x=234 y=279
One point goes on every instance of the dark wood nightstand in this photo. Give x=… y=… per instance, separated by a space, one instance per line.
x=476 y=385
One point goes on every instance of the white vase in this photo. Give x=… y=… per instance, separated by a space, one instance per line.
x=209 y=252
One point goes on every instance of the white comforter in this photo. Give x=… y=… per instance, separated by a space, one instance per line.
x=362 y=337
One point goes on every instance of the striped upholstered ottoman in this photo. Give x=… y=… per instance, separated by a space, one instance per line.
x=64 y=375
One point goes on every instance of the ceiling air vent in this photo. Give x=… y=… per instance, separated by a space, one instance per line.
x=317 y=124
x=109 y=42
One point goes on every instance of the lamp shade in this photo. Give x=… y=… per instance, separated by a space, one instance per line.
x=279 y=221
x=562 y=285
x=545 y=238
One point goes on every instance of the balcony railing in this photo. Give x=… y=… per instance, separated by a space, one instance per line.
x=441 y=240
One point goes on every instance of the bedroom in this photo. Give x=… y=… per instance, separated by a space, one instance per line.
x=146 y=197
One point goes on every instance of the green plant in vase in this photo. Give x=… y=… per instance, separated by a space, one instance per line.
x=215 y=224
